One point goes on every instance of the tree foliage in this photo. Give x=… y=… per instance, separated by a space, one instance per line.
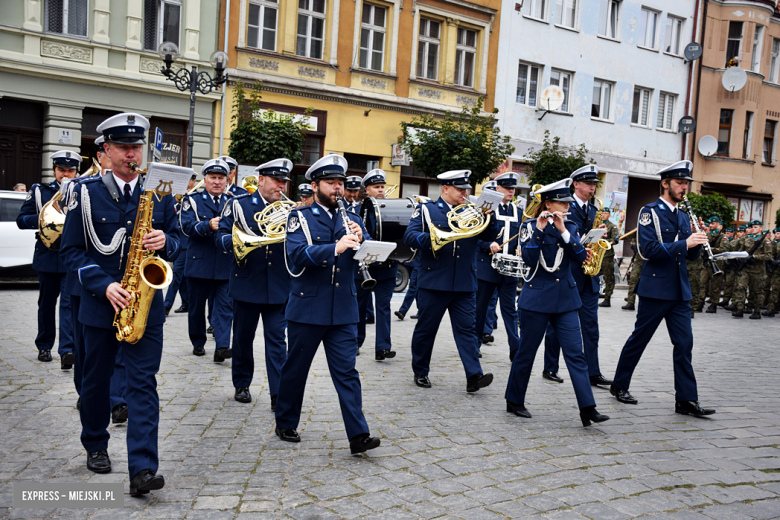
x=466 y=141
x=712 y=205
x=777 y=218
x=552 y=162
x=256 y=139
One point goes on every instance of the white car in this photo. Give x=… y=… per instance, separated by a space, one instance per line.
x=16 y=245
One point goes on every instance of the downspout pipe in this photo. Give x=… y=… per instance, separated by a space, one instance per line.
x=698 y=76
x=691 y=70
x=224 y=85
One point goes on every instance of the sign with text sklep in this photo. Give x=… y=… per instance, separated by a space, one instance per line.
x=273 y=115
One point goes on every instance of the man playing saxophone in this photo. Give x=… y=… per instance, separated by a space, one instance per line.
x=96 y=241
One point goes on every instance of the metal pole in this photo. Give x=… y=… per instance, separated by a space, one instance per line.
x=224 y=85
x=191 y=129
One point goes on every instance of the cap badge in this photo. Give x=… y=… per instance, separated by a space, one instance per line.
x=67 y=154
x=130 y=120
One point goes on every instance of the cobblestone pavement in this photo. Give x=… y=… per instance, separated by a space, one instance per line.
x=445 y=453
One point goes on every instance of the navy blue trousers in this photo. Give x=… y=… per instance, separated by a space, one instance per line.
x=678 y=322
x=340 y=342
x=567 y=328
x=222 y=315
x=507 y=293
x=491 y=317
x=179 y=283
x=589 y=324
x=52 y=286
x=383 y=293
x=411 y=292
x=245 y=319
x=431 y=307
x=143 y=405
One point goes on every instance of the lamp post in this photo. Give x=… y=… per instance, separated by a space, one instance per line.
x=193 y=81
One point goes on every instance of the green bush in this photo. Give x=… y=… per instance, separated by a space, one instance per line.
x=712 y=205
x=552 y=163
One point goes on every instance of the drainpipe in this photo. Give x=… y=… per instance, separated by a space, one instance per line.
x=690 y=73
x=224 y=85
x=698 y=76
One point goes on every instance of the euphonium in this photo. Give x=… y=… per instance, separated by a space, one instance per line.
x=533 y=202
x=144 y=274
x=272 y=222
x=599 y=248
x=466 y=221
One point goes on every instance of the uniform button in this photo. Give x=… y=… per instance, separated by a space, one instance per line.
x=301 y=294
x=557 y=280
x=337 y=285
x=269 y=263
x=318 y=238
x=270 y=252
x=128 y=222
x=558 y=269
x=653 y=274
x=103 y=219
x=338 y=270
x=236 y=275
x=457 y=256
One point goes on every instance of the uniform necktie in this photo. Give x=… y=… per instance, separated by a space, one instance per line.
x=216 y=200
x=128 y=193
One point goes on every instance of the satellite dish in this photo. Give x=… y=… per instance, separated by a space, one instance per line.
x=708 y=145
x=692 y=51
x=552 y=98
x=734 y=79
x=687 y=124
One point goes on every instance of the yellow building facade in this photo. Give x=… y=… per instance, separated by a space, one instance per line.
x=363 y=68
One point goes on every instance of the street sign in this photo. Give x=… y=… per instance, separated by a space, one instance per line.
x=158 y=143
x=692 y=51
x=687 y=124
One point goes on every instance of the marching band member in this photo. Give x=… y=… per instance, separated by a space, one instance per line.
x=505 y=241
x=48 y=263
x=231 y=185
x=549 y=245
x=208 y=268
x=306 y=193
x=352 y=191
x=100 y=221
x=259 y=284
x=179 y=283
x=447 y=282
x=582 y=214
x=323 y=307
x=665 y=240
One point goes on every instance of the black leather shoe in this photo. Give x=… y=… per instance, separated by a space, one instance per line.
x=362 y=443
x=628 y=307
x=599 y=380
x=512 y=354
x=242 y=395
x=181 y=309
x=370 y=320
x=400 y=315
x=67 y=360
x=273 y=403
x=518 y=409
x=712 y=309
x=98 y=461
x=478 y=381
x=590 y=415
x=552 y=376
x=119 y=414
x=723 y=304
x=422 y=381
x=487 y=338
x=145 y=481
x=700 y=307
x=605 y=303
x=210 y=330
x=384 y=354
x=691 y=408
x=199 y=351
x=288 y=435
x=44 y=355
x=221 y=354
x=479 y=353
x=167 y=311
x=737 y=313
x=755 y=316
x=413 y=316
x=622 y=395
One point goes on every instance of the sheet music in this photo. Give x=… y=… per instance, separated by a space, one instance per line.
x=489 y=199
x=592 y=236
x=167 y=179
x=374 y=251
x=731 y=255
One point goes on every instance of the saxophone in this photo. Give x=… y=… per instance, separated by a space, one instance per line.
x=599 y=248
x=144 y=274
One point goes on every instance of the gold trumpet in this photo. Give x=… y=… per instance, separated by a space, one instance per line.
x=250 y=183
x=390 y=190
x=465 y=221
x=272 y=222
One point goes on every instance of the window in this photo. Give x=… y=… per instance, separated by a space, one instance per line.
x=563 y=80
x=465 y=57
x=312 y=150
x=734 y=45
x=261 y=32
x=724 y=132
x=747 y=135
x=67 y=16
x=372 y=37
x=528 y=77
x=665 y=111
x=537 y=9
x=311 y=28
x=428 y=49
x=640 y=106
x=648 y=27
x=773 y=64
x=755 y=63
x=602 y=98
x=769 y=141
x=162 y=19
x=566 y=12
x=608 y=18
x=672 y=35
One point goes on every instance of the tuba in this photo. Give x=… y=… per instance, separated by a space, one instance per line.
x=535 y=200
x=272 y=222
x=250 y=183
x=145 y=273
x=466 y=221
x=599 y=248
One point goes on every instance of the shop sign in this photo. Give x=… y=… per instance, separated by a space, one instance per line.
x=398 y=157
x=273 y=115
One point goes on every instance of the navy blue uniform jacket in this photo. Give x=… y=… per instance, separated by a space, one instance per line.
x=44 y=259
x=204 y=259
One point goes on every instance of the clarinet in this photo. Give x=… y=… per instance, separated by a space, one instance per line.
x=368 y=283
x=715 y=269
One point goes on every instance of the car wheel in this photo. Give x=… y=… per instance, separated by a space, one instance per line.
x=401 y=278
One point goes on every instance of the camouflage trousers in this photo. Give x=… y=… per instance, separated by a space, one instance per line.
x=696 y=277
x=636 y=272
x=751 y=282
x=714 y=286
x=774 y=294
x=608 y=272
x=730 y=278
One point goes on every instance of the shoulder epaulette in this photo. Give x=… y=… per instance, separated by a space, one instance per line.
x=241 y=195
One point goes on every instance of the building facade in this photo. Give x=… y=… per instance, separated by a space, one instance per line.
x=66 y=65
x=743 y=121
x=363 y=68
x=625 y=81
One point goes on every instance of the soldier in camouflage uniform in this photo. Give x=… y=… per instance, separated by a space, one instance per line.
x=730 y=273
x=633 y=281
x=696 y=277
x=717 y=241
x=774 y=281
x=753 y=275
x=608 y=264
